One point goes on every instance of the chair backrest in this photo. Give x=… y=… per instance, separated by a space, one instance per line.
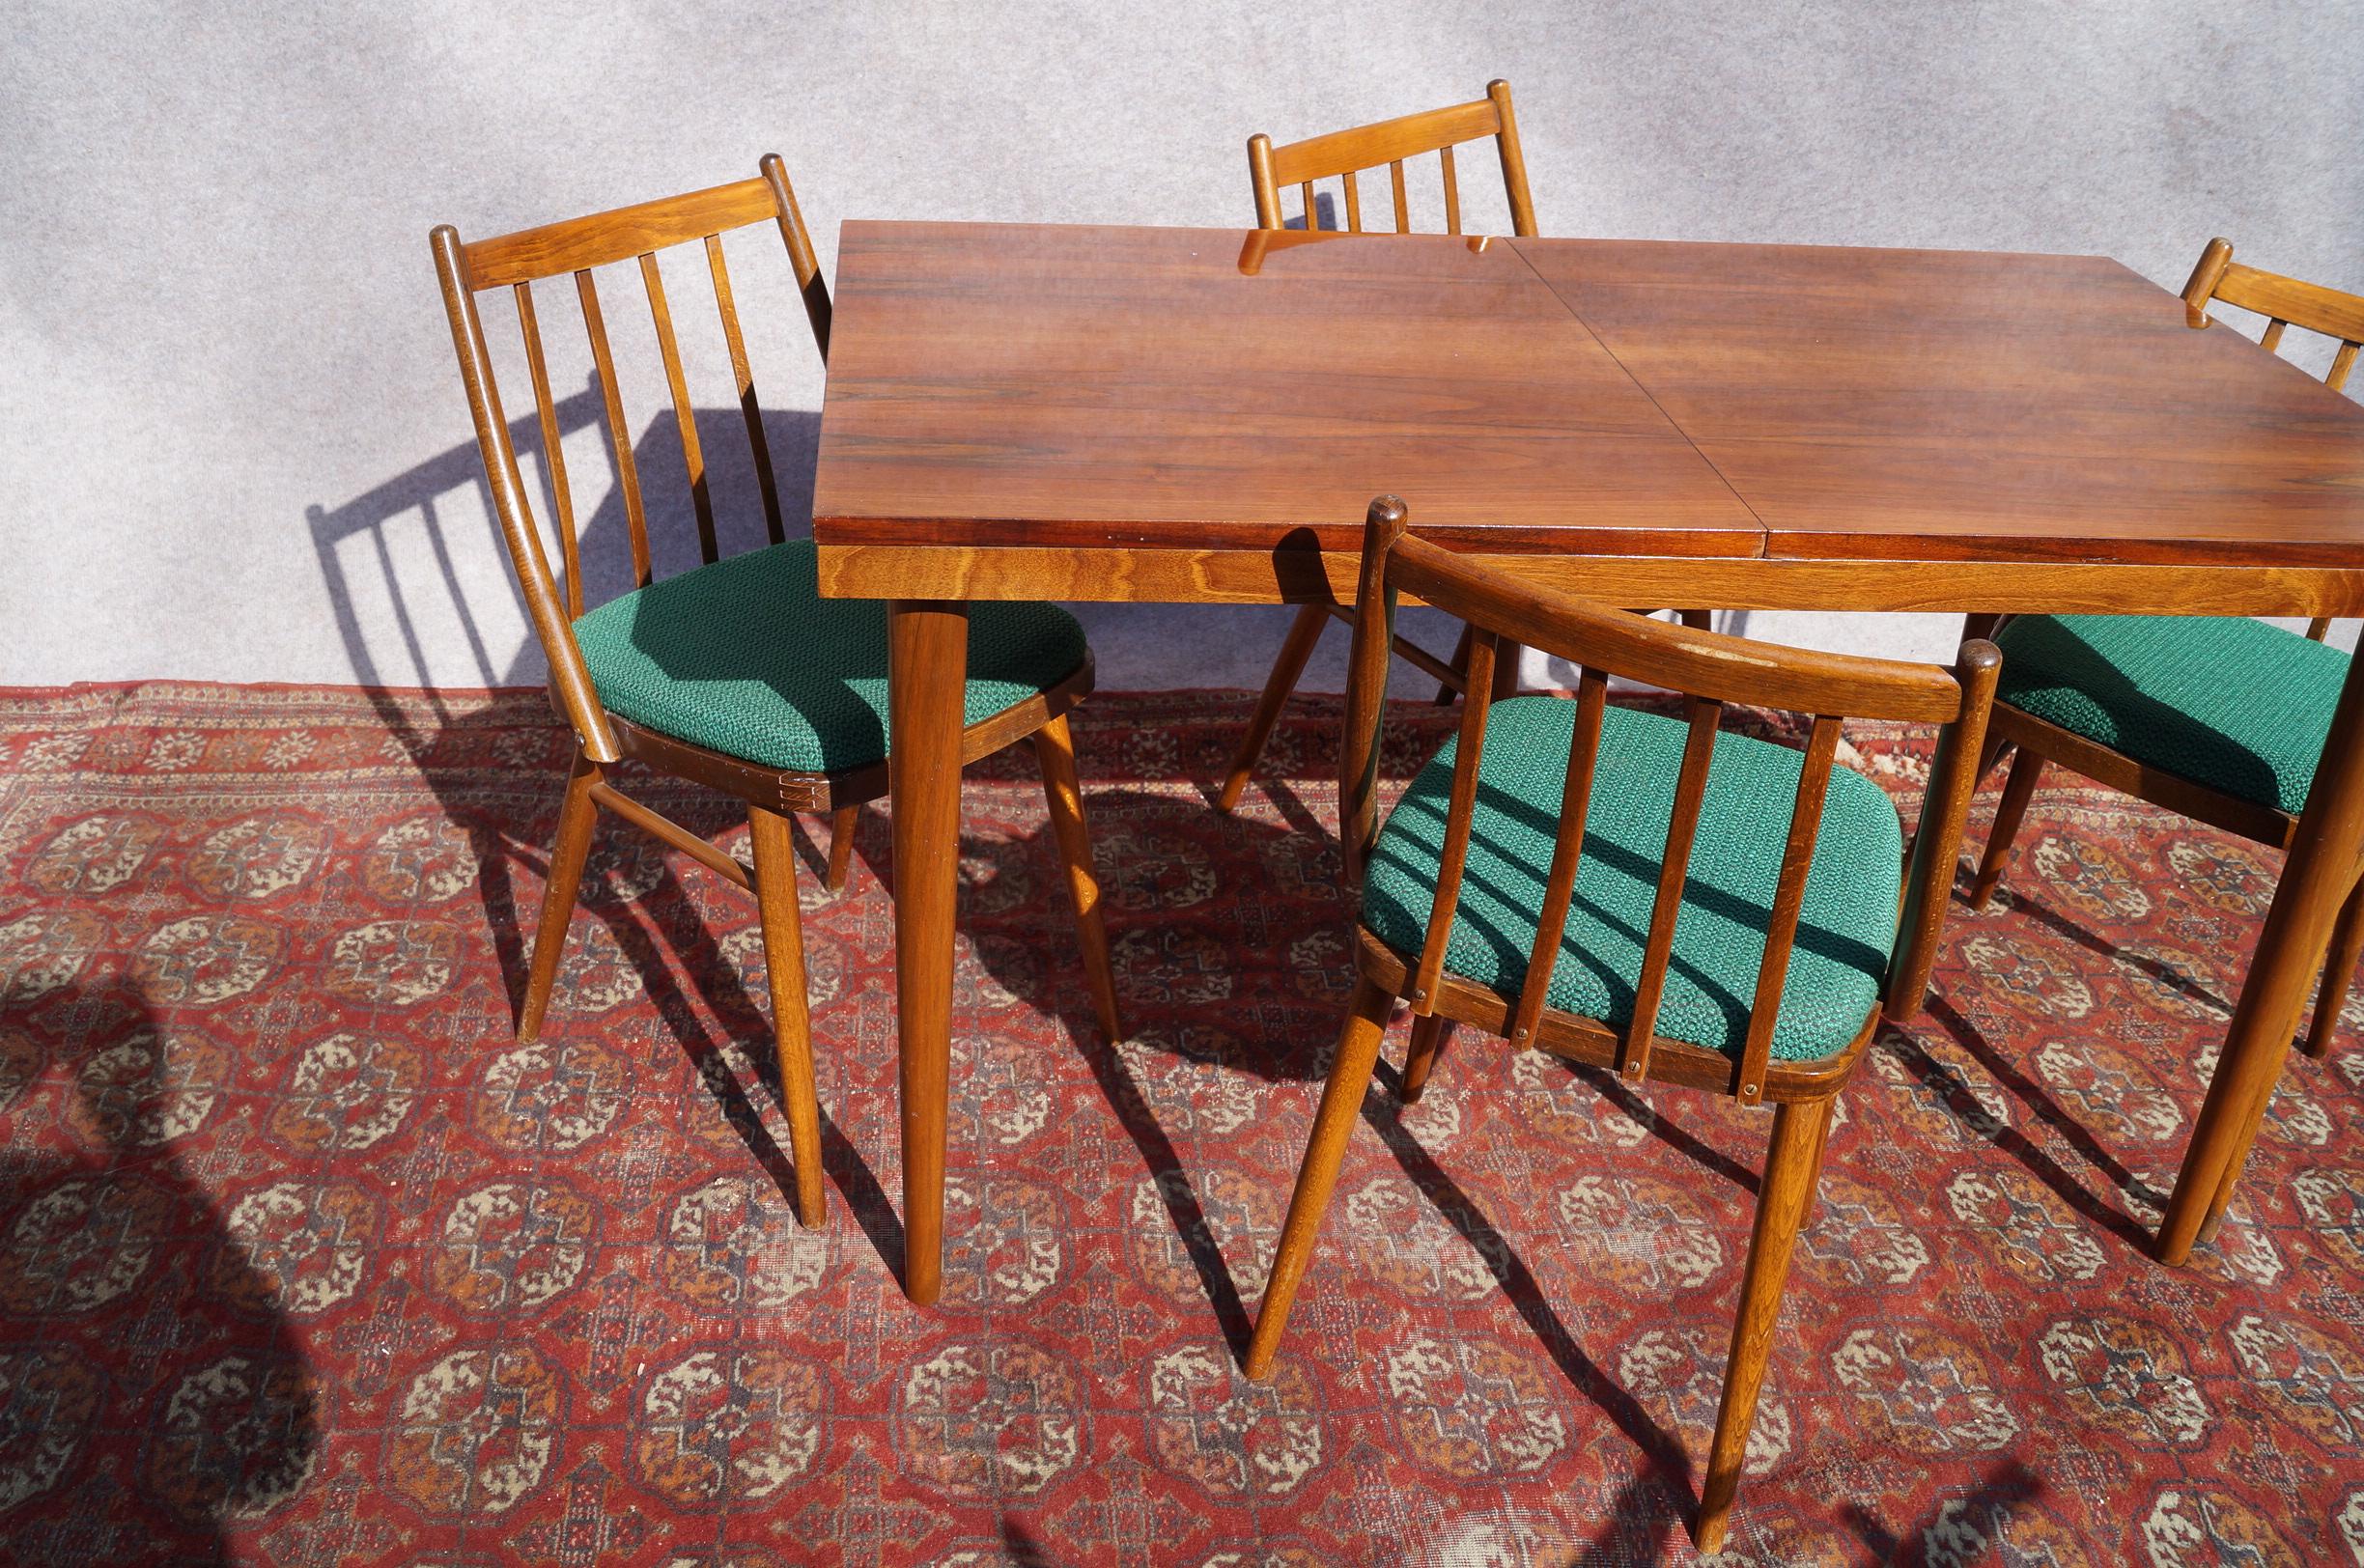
x=518 y=260
x=1710 y=671
x=2283 y=302
x=1342 y=154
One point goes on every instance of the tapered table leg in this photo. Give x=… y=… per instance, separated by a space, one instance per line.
x=927 y=671
x=2315 y=881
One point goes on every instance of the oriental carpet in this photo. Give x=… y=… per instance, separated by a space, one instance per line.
x=305 y=1260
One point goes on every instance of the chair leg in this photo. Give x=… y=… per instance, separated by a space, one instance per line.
x=1428 y=1036
x=1459 y=661
x=2339 y=969
x=1295 y=649
x=1341 y=1102
x=1792 y=1163
x=783 y=939
x=2330 y=996
x=841 y=847
x=2026 y=767
x=1054 y=752
x=576 y=815
x=1507 y=662
x=1814 y=1199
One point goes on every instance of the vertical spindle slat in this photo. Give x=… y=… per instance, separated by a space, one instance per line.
x=1313 y=213
x=1452 y=192
x=685 y=416
x=1462 y=807
x=1567 y=856
x=2341 y=364
x=1403 y=209
x=1690 y=794
x=554 y=453
x=1788 y=899
x=2273 y=333
x=619 y=434
x=744 y=375
x=1354 y=205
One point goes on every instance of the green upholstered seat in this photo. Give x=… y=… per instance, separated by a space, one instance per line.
x=746 y=657
x=1844 y=932
x=2225 y=701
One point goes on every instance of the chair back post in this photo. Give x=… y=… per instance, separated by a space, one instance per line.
x=1366 y=676
x=1513 y=161
x=1261 y=181
x=1945 y=809
x=2201 y=285
x=570 y=677
x=800 y=257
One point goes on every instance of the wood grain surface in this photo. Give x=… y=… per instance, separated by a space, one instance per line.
x=1934 y=404
x=1026 y=385
x=1238 y=394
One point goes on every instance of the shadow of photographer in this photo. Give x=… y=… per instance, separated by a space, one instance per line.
x=152 y=1393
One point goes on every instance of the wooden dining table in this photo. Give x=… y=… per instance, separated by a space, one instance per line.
x=1202 y=415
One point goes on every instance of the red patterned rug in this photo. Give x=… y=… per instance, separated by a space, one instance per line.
x=303 y=1260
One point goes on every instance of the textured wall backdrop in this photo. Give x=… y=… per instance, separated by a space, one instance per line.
x=235 y=442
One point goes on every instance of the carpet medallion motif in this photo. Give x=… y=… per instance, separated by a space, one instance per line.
x=304 y=1259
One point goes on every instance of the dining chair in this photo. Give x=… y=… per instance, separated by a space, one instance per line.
x=737 y=674
x=1638 y=892
x=2219 y=719
x=1341 y=155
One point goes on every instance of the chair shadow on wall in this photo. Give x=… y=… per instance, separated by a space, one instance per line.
x=390 y=559
x=1325 y=206
x=382 y=540
x=409 y=511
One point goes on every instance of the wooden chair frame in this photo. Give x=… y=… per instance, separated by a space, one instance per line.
x=1710 y=671
x=1341 y=155
x=578 y=246
x=2283 y=302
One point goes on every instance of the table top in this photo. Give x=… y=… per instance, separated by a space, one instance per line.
x=995 y=386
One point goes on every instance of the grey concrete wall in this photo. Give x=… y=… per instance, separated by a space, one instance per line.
x=234 y=441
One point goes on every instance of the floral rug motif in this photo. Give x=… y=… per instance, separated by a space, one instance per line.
x=306 y=1260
